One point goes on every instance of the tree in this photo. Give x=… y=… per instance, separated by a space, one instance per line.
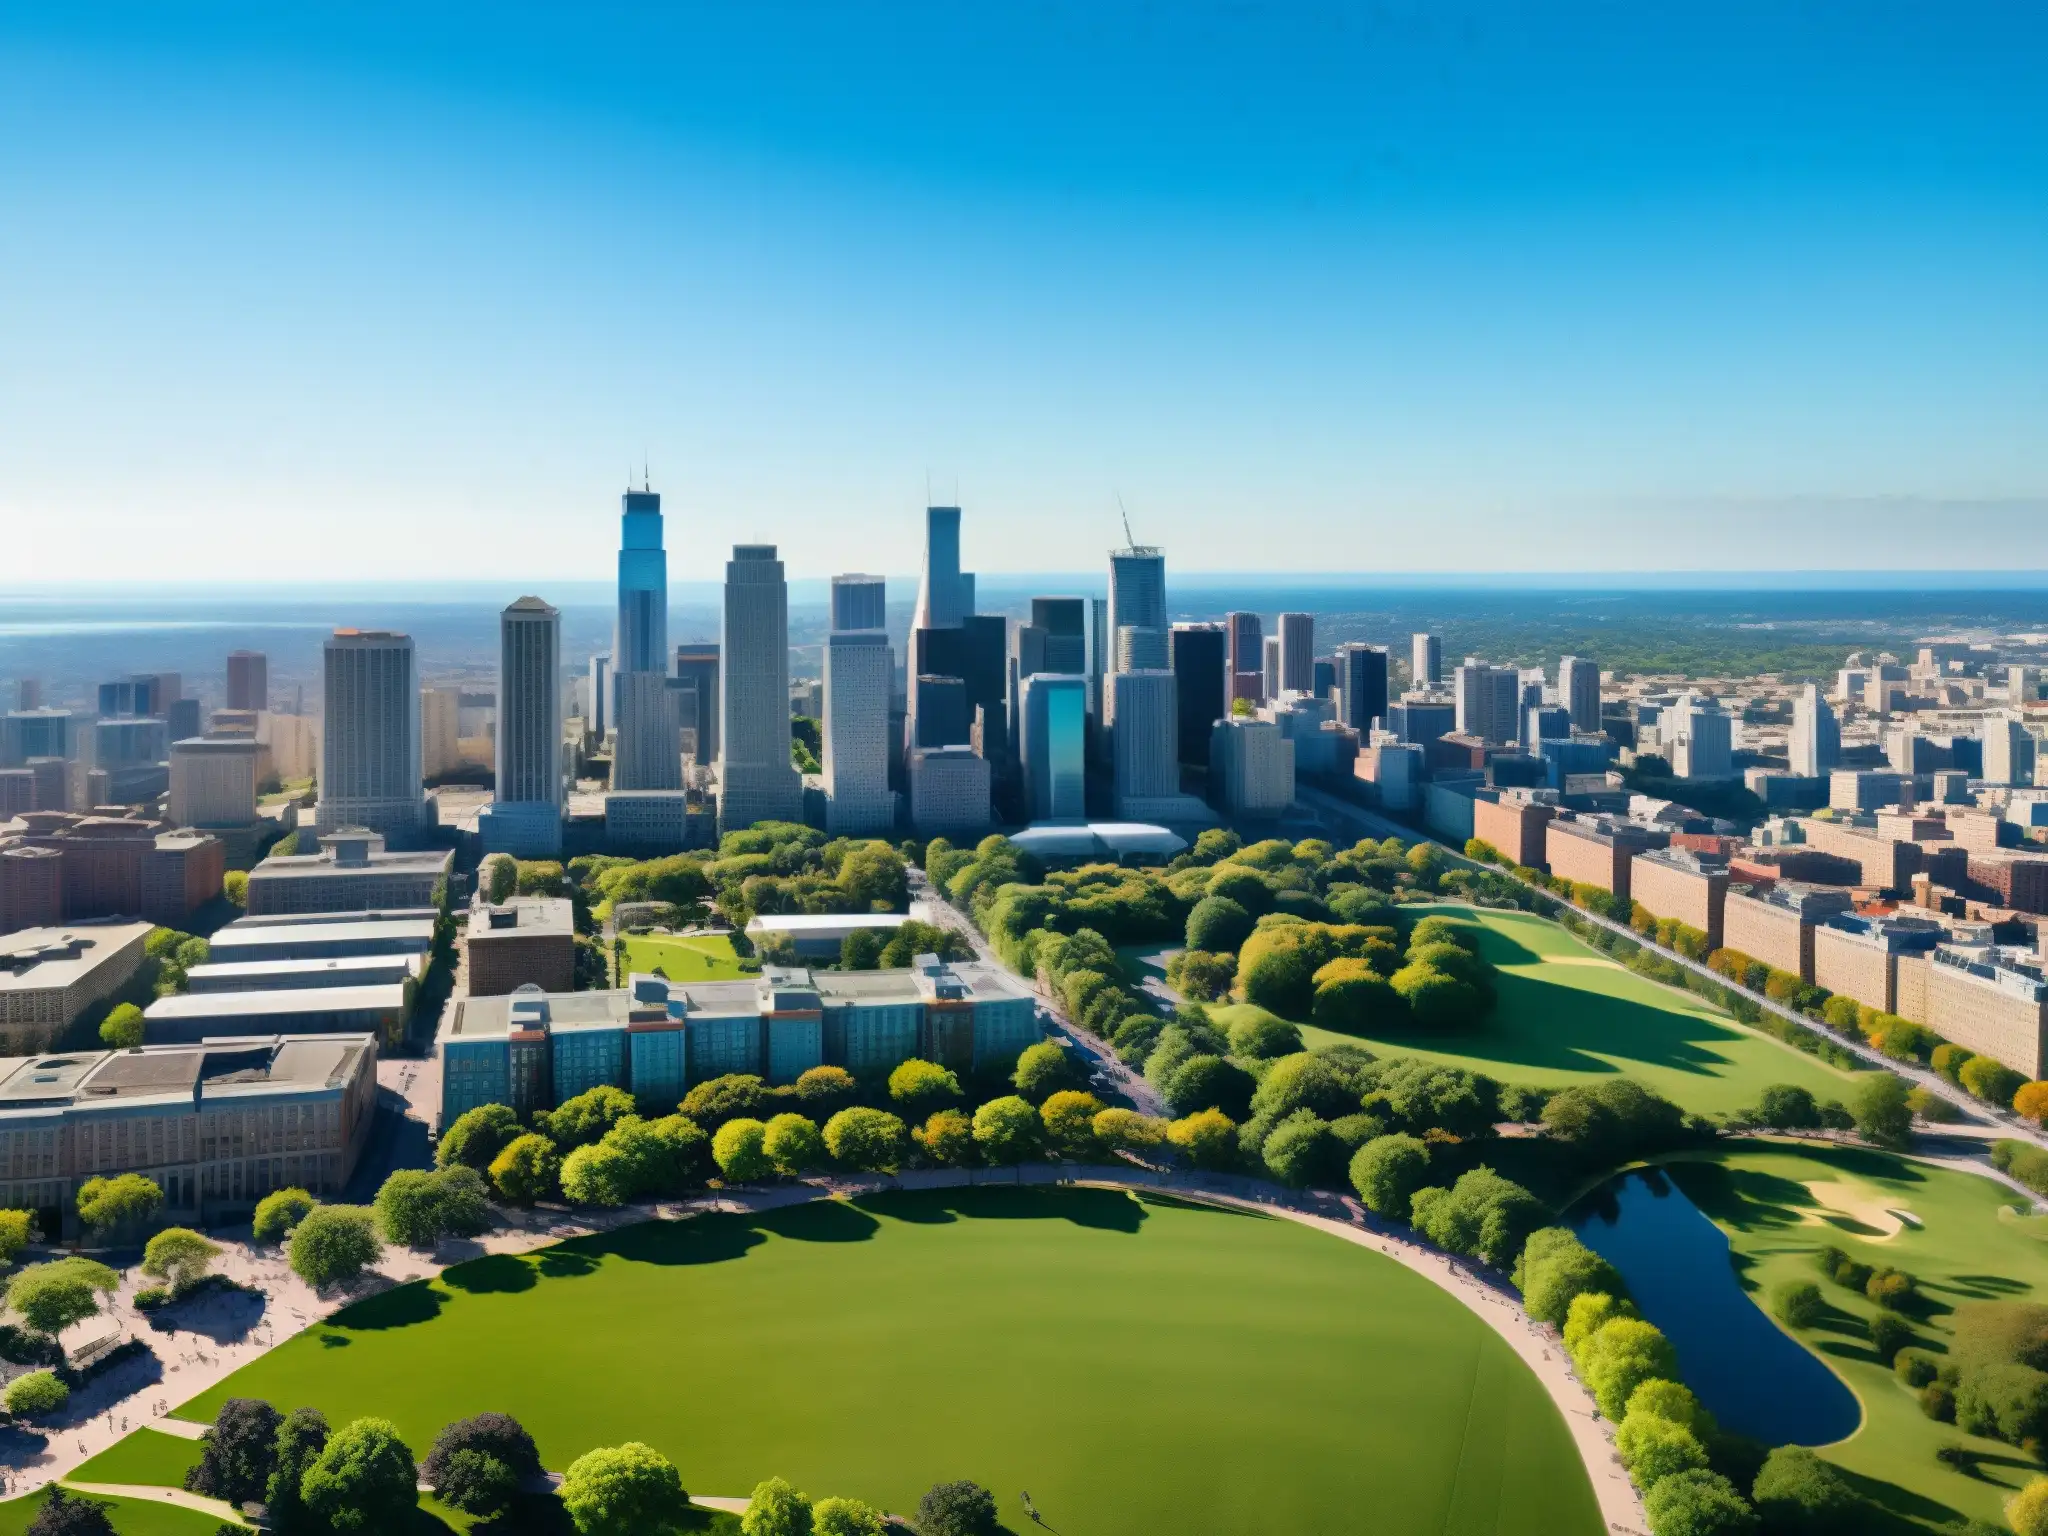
x=866 y=1140
x=1883 y=1117
x=37 y=1395
x=1006 y=1130
x=1438 y=1001
x=1202 y=974
x=121 y=1030
x=1218 y=924
x=477 y=1136
x=947 y=1139
x=584 y=1119
x=1787 y=1107
x=793 y=1144
x=2031 y=1101
x=1387 y=1171
x=1798 y=1303
x=477 y=1483
x=1624 y=1354
x=416 y=1209
x=1125 y=1130
x=1208 y=1138
x=663 y=1157
x=1043 y=1070
x=1990 y=1080
x=239 y=1452
x=279 y=1211
x=1669 y=1400
x=624 y=1490
x=1069 y=1119
x=1697 y=1504
x=66 y=1514
x=122 y=1203
x=525 y=1169
x=847 y=1517
x=736 y=1096
x=740 y=1150
x=365 y=1479
x=1556 y=1267
x=1300 y=1150
x=51 y=1297
x=957 y=1509
x=477 y=1464
x=179 y=1257
x=1654 y=1448
x=1211 y=1082
x=2026 y=1511
x=499 y=876
x=923 y=1086
x=1800 y=1495
x=823 y=1091
x=776 y=1508
x=334 y=1244
x=1482 y=1215
x=602 y=1175
x=1353 y=998
x=300 y=1440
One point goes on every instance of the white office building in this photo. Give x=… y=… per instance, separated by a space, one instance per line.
x=1426 y=659
x=1489 y=701
x=2009 y=750
x=1145 y=736
x=1815 y=745
x=1698 y=738
x=213 y=782
x=1251 y=767
x=858 y=668
x=647 y=747
x=756 y=780
x=370 y=737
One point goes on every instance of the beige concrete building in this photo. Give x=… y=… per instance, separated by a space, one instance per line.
x=1596 y=851
x=213 y=782
x=1884 y=863
x=49 y=976
x=1683 y=885
x=1776 y=924
x=1515 y=824
x=352 y=872
x=1991 y=1001
x=527 y=940
x=1858 y=957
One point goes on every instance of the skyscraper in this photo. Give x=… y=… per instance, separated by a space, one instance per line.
x=936 y=642
x=370 y=736
x=1698 y=738
x=646 y=753
x=1064 y=623
x=1362 y=685
x=600 y=719
x=248 y=680
x=1201 y=663
x=1488 y=701
x=756 y=780
x=525 y=816
x=2009 y=750
x=1426 y=659
x=1297 y=653
x=1054 y=745
x=1269 y=674
x=859 y=602
x=1578 y=690
x=1815 y=745
x=697 y=673
x=1145 y=748
x=1247 y=662
x=1137 y=588
x=855 y=730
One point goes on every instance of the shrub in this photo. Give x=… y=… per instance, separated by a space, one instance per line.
x=416 y=1209
x=334 y=1244
x=1353 y=998
x=1798 y=1493
x=1438 y=1001
x=1992 y=1081
x=526 y=1168
x=866 y=1140
x=279 y=1211
x=1555 y=1268
x=1006 y=1130
x=2008 y=1402
x=1889 y=1333
x=38 y=1395
x=1797 y=1303
x=1938 y=1402
x=1387 y=1171
x=1932 y=1107
x=179 y=1257
x=1882 y=1115
x=1914 y=1366
x=1261 y=1037
x=150 y=1297
x=2027 y=1511
x=1892 y=1288
x=1218 y=924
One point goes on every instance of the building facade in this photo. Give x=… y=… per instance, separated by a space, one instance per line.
x=370 y=774
x=213 y=782
x=1426 y=660
x=527 y=941
x=49 y=976
x=353 y=872
x=1362 y=686
x=1054 y=745
x=1297 y=653
x=525 y=816
x=1688 y=887
x=1199 y=656
x=1251 y=767
x=1776 y=923
x=756 y=781
x=859 y=673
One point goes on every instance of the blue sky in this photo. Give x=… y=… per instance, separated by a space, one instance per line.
x=1396 y=287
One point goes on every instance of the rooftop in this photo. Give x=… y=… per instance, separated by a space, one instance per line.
x=341 y=967
x=351 y=928
x=531 y=916
x=1091 y=839
x=280 y=1000
x=230 y=1068
x=35 y=958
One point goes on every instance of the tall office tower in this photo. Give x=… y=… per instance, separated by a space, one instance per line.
x=859 y=602
x=1137 y=589
x=756 y=780
x=1054 y=745
x=647 y=748
x=1200 y=661
x=1297 y=653
x=1247 y=662
x=440 y=731
x=640 y=639
x=984 y=672
x=28 y=694
x=1578 y=690
x=858 y=674
x=697 y=672
x=939 y=716
x=1251 y=767
x=1816 y=740
x=524 y=818
x=1488 y=701
x=1426 y=659
x=1325 y=684
x=936 y=641
x=1141 y=650
x=370 y=736
x=1145 y=739
x=248 y=680
x=181 y=718
x=1064 y=623
x=1269 y=676
x=213 y=783
x=141 y=694
x=600 y=689
x=1544 y=722
x=2009 y=750
x=1362 y=686
x=1699 y=740
x=2022 y=685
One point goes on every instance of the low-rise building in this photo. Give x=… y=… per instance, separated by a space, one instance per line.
x=191 y=1017
x=352 y=872
x=655 y=1038
x=1776 y=924
x=529 y=940
x=648 y=823
x=1882 y=863
x=1682 y=884
x=1992 y=1001
x=111 y=866
x=367 y=933
x=2010 y=879
x=216 y=1126
x=819 y=936
x=1513 y=822
x=49 y=976
x=1858 y=956
x=333 y=971
x=1598 y=850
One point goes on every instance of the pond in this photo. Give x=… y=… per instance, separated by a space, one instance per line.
x=1753 y=1377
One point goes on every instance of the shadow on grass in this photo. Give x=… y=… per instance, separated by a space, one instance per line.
x=1107 y=1210
x=399 y=1307
x=497 y=1274
x=535 y=1514
x=1176 y=1203
x=1895 y=1511
x=1980 y=1287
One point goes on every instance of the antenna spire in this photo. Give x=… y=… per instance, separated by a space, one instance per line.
x=1129 y=541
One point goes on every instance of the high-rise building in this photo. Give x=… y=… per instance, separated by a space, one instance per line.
x=1488 y=701
x=440 y=731
x=1269 y=679
x=1144 y=739
x=697 y=673
x=647 y=746
x=942 y=600
x=1064 y=623
x=28 y=693
x=1200 y=660
x=213 y=783
x=1137 y=588
x=1426 y=659
x=2010 y=750
x=525 y=816
x=937 y=644
x=1054 y=745
x=1698 y=738
x=599 y=687
x=1362 y=687
x=1251 y=767
x=1297 y=653
x=1247 y=662
x=1141 y=650
x=27 y=733
x=1544 y=722
x=248 y=680
x=1578 y=690
x=756 y=780
x=370 y=736
x=143 y=694
x=859 y=602
x=1815 y=745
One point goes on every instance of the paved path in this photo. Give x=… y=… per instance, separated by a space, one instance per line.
x=156 y=1493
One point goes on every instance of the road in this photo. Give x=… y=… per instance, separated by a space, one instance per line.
x=1105 y=1071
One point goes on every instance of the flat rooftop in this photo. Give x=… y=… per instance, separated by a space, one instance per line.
x=301 y=919
x=32 y=959
x=238 y=1067
x=522 y=916
x=346 y=930
x=809 y=923
x=276 y=1002
x=425 y=861
x=237 y=975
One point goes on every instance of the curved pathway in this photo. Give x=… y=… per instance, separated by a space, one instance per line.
x=156 y=1493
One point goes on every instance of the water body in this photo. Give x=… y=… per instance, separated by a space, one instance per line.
x=1751 y=1376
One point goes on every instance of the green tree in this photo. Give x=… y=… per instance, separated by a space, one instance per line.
x=333 y=1244
x=1787 y=1107
x=1624 y=1354
x=477 y=1464
x=51 y=1297
x=238 y=1453
x=1125 y=1130
x=1654 y=1448
x=1069 y=1120
x=1387 y=1171
x=957 y=1509
x=603 y=1175
x=477 y=1136
x=794 y=1144
x=1218 y=924
x=624 y=1490
x=17 y=1231
x=121 y=1029
x=923 y=1086
x=416 y=1208
x=736 y=1096
x=2027 y=1511
x=1210 y=1082
x=847 y=1517
x=1798 y=1303
x=37 y=1395
x=1301 y=1150
x=300 y=1440
x=499 y=876
x=123 y=1203
x=824 y=1091
x=525 y=1169
x=179 y=1257
x=1006 y=1130
x=668 y=1156
x=279 y=1211
x=776 y=1508
x=1044 y=1069
x=1991 y=1080
x=365 y=1479
x=1883 y=1118
x=740 y=1150
x=866 y=1140
x=583 y=1120
x=1799 y=1494
x=1555 y=1267
x=66 y=1514
x=1208 y=1138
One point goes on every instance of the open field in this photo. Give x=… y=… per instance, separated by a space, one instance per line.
x=697 y=957
x=146 y=1456
x=1137 y=1365
x=1779 y=1202
x=1567 y=1014
x=131 y=1517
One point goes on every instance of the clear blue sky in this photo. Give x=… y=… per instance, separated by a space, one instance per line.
x=1396 y=286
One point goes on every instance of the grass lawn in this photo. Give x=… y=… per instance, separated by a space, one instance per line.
x=699 y=957
x=1140 y=1366
x=131 y=1517
x=1567 y=1014
x=1779 y=1202
x=146 y=1456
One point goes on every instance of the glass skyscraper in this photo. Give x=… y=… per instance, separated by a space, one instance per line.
x=640 y=643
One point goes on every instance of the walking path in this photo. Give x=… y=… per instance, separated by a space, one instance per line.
x=219 y=1509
